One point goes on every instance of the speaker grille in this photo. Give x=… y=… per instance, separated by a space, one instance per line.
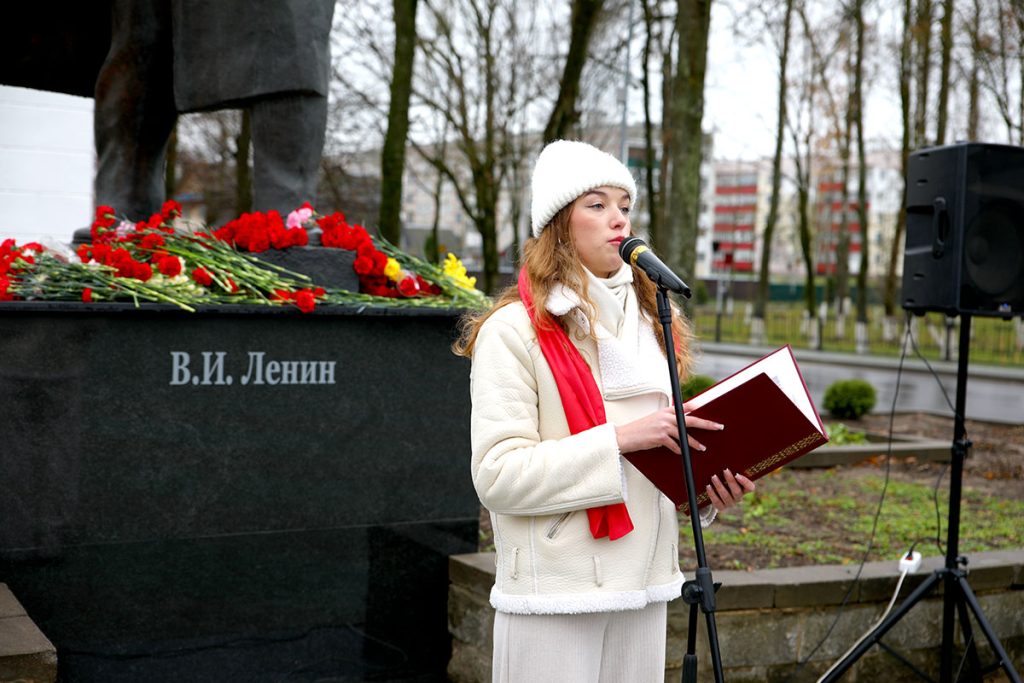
x=964 y=250
x=994 y=250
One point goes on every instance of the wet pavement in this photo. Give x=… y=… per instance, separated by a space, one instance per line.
x=994 y=393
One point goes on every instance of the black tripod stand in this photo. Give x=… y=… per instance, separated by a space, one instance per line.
x=957 y=596
x=701 y=590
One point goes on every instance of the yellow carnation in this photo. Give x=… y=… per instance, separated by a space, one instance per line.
x=454 y=269
x=392 y=270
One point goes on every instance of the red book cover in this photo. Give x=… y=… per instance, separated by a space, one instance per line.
x=769 y=421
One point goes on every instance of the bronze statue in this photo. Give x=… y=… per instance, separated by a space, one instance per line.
x=171 y=56
x=168 y=57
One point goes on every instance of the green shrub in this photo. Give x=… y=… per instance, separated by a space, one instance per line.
x=694 y=385
x=849 y=398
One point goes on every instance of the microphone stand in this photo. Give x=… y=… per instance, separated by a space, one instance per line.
x=701 y=589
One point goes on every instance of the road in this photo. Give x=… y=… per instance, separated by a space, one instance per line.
x=993 y=393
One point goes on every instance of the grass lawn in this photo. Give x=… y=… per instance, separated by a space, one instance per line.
x=802 y=517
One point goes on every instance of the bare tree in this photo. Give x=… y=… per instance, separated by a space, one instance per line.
x=905 y=77
x=468 y=46
x=393 y=152
x=584 y=16
x=209 y=148
x=828 y=46
x=685 y=147
x=243 y=167
x=1006 y=88
x=857 y=104
x=922 y=32
x=761 y=300
x=945 y=52
x=977 y=56
x=651 y=43
x=362 y=56
x=801 y=127
x=171 y=170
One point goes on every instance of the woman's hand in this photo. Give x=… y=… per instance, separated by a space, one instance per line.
x=725 y=494
x=659 y=429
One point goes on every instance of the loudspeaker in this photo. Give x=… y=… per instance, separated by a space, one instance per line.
x=964 y=249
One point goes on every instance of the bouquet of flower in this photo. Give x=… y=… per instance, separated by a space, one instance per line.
x=154 y=260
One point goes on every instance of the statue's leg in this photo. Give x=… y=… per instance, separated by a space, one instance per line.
x=135 y=111
x=288 y=140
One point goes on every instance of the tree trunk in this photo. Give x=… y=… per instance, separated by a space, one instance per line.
x=946 y=48
x=862 y=167
x=693 y=22
x=564 y=116
x=1018 y=13
x=487 y=224
x=170 y=171
x=243 y=171
x=764 y=279
x=653 y=225
x=973 y=78
x=665 y=175
x=843 y=246
x=392 y=162
x=433 y=254
x=922 y=32
x=889 y=300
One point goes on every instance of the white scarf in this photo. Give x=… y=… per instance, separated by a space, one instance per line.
x=629 y=358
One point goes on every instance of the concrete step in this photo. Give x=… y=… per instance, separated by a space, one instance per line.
x=26 y=655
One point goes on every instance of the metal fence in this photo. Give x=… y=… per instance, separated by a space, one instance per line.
x=993 y=340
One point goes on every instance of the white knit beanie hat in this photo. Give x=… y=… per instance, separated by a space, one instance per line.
x=565 y=170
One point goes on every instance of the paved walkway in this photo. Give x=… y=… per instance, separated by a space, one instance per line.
x=993 y=393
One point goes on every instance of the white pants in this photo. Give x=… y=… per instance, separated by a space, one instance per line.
x=606 y=647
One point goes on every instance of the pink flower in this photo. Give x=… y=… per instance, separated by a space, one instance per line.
x=299 y=216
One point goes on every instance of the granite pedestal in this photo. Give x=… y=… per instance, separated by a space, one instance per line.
x=235 y=494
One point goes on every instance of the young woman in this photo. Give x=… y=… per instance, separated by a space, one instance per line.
x=569 y=373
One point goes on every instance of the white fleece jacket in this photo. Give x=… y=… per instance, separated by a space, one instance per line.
x=537 y=480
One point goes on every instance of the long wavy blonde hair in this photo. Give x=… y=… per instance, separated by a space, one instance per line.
x=552 y=259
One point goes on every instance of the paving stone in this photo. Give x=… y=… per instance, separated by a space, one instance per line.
x=9 y=605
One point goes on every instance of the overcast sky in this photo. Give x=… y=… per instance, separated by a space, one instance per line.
x=740 y=76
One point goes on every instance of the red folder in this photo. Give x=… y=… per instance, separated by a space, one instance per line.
x=769 y=420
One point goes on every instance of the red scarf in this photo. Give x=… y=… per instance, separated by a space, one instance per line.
x=582 y=403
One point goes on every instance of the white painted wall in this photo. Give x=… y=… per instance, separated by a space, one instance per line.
x=47 y=162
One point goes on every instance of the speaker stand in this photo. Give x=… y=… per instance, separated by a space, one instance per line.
x=958 y=600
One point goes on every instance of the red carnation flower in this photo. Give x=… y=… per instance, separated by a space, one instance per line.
x=87 y=295
x=105 y=213
x=101 y=252
x=171 y=209
x=151 y=241
x=305 y=301
x=408 y=287
x=363 y=265
x=142 y=271
x=202 y=276
x=169 y=266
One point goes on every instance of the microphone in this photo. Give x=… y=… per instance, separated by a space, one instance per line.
x=634 y=251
